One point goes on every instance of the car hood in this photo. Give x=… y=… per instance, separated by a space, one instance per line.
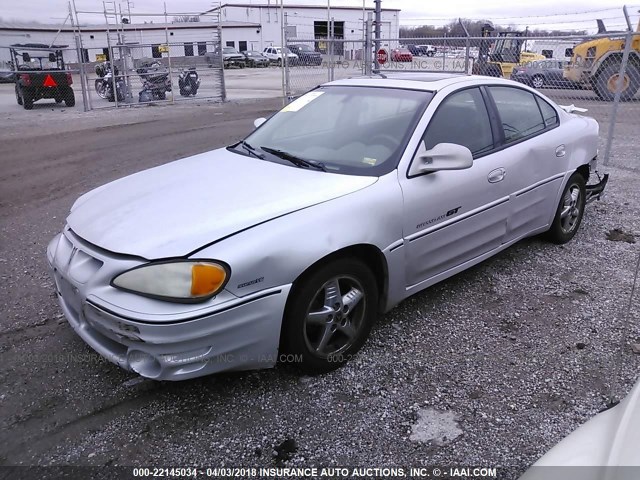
x=174 y=209
x=611 y=438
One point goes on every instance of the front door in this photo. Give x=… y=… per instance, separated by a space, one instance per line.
x=454 y=216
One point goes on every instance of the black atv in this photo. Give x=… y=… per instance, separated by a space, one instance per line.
x=40 y=73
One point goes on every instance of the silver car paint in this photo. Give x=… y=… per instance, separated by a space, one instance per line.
x=278 y=237
x=193 y=196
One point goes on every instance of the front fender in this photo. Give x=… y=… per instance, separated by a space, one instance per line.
x=279 y=251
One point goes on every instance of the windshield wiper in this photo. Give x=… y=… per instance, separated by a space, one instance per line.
x=248 y=148
x=297 y=161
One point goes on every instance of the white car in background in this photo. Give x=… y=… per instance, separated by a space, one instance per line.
x=274 y=54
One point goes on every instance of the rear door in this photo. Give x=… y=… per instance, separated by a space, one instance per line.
x=533 y=153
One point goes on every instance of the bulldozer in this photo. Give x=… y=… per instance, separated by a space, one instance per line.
x=499 y=58
x=595 y=65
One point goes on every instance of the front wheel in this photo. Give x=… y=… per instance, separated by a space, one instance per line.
x=606 y=83
x=100 y=88
x=18 y=96
x=570 y=211
x=329 y=315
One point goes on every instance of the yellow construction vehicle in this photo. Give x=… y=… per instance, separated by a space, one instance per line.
x=499 y=59
x=595 y=65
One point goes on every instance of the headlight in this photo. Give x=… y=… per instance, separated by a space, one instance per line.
x=175 y=280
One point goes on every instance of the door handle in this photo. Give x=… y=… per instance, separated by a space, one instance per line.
x=496 y=175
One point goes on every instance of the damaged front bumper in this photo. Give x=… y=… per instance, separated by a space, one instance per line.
x=594 y=192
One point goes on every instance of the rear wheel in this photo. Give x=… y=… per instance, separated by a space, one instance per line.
x=537 y=81
x=570 y=211
x=606 y=82
x=27 y=99
x=69 y=97
x=329 y=315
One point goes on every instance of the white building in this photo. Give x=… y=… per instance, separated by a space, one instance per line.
x=304 y=22
x=243 y=26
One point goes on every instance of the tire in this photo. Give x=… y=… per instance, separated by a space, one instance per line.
x=605 y=86
x=537 y=81
x=18 y=95
x=320 y=332
x=69 y=97
x=570 y=211
x=100 y=88
x=279 y=62
x=27 y=100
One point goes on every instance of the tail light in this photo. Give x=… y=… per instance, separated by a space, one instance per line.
x=26 y=79
x=69 y=79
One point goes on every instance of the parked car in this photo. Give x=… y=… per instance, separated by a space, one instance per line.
x=287 y=245
x=543 y=74
x=420 y=50
x=230 y=56
x=274 y=54
x=401 y=55
x=6 y=73
x=610 y=439
x=255 y=59
x=429 y=50
x=306 y=54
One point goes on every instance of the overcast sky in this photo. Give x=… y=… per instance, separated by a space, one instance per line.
x=535 y=13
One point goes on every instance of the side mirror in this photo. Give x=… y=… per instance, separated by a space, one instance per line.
x=259 y=121
x=26 y=57
x=52 y=57
x=444 y=156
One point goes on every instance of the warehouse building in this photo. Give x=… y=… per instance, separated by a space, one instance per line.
x=242 y=26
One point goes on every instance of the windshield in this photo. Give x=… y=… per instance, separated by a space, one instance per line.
x=229 y=50
x=305 y=48
x=353 y=130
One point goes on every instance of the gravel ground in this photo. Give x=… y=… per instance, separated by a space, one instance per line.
x=491 y=367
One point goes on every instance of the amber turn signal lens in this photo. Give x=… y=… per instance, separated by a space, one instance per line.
x=206 y=279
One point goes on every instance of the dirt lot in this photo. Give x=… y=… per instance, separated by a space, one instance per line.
x=491 y=367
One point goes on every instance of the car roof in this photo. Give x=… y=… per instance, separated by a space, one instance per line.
x=423 y=80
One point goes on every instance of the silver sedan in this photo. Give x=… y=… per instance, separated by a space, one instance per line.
x=287 y=245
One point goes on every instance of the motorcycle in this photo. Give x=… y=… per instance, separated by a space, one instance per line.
x=104 y=83
x=156 y=82
x=188 y=82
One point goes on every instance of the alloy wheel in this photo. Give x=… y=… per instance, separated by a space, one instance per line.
x=570 y=213
x=335 y=316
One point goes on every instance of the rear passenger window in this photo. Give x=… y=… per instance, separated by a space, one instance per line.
x=519 y=113
x=462 y=119
x=549 y=114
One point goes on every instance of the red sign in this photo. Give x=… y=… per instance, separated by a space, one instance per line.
x=382 y=56
x=49 y=82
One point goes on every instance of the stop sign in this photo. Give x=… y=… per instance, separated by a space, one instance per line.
x=382 y=56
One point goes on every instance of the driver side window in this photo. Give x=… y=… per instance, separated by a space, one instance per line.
x=462 y=119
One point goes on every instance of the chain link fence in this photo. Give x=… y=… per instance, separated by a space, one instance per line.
x=600 y=72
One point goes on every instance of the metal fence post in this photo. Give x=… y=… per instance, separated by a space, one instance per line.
x=616 y=100
x=285 y=49
x=223 y=85
x=366 y=48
